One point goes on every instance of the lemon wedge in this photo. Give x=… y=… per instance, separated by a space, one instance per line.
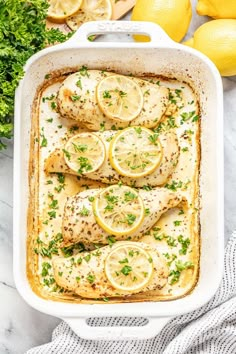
x=173 y=16
x=119 y=210
x=84 y=153
x=128 y=267
x=59 y=10
x=135 y=152
x=119 y=98
x=91 y=10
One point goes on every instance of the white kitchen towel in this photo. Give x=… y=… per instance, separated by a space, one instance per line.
x=209 y=330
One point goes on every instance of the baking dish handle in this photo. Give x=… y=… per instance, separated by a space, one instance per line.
x=118 y=333
x=152 y=30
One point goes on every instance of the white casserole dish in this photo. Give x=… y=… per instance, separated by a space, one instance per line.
x=160 y=56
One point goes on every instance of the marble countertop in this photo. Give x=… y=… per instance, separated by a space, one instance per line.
x=22 y=327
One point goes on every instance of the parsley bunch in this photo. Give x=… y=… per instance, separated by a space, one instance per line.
x=22 y=33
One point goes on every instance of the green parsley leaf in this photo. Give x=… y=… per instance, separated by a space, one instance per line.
x=84 y=211
x=91 y=278
x=87 y=258
x=106 y=94
x=177 y=222
x=126 y=270
x=75 y=98
x=23 y=33
x=111 y=240
x=66 y=153
x=45 y=268
x=130 y=219
x=147 y=211
x=79 y=84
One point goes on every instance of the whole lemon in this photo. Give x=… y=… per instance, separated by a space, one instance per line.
x=217 y=40
x=217 y=8
x=173 y=16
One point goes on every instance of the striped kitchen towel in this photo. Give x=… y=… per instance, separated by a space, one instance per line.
x=209 y=330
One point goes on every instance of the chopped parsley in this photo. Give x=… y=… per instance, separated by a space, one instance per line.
x=54 y=204
x=125 y=260
x=80 y=147
x=84 y=71
x=179 y=267
x=102 y=127
x=53 y=105
x=106 y=94
x=153 y=138
x=52 y=214
x=85 y=166
x=147 y=211
x=48 y=98
x=126 y=270
x=106 y=299
x=79 y=260
x=79 y=84
x=44 y=142
x=73 y=128
x=146 y=93
x=45 y=268
x=69 y=250
x=48 y=281
x=129 y=196
x=185 y=242
x=138 y=130
x=50 y=249
x=67 y=154
x=91 y=278
x=61 y=178
x=75 y=98
x=87 y=258
x=130 y=219
x=174 y=185
x=84 y=211
x=111 y=240
x=111 y=198
x=171 y=241
x=147 y=188
x=186 y=116
x=177 y=222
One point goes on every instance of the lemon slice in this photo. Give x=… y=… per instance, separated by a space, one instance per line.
x=59 y=10
x=129 y=267
x=91 y=10
x=119 y=210
x=135 y=152
x=84 y=153
x=119 y=98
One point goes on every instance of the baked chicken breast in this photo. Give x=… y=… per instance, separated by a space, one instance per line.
x=55 y=163
x=77 y=227
x=85 y=275
x=79 y=102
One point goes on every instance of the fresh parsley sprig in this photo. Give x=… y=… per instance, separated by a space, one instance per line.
x=23 y=32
